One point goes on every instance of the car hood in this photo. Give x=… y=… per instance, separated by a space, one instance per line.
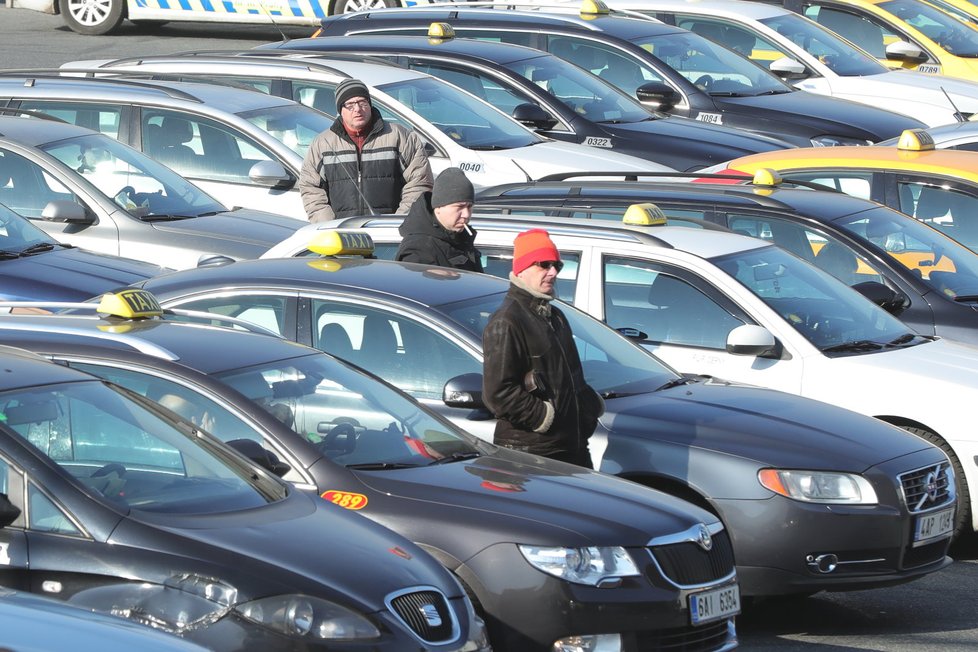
x=551 y=157
x=246 y=228
x=510 y=496
x=69 y=275
x=772 y=428
x=926 y=89
x=807 y=114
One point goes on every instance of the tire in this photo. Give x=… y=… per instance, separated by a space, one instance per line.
x=962 y=522
x=92 y=17
x=349 y=6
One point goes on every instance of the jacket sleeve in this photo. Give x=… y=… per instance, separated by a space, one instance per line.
x=410 y=252
x=505 y=366
x=313 y=188
x=418 y=178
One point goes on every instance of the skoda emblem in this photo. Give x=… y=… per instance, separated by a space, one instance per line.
x=704 y=539
x=931 y=486
x=431 y=615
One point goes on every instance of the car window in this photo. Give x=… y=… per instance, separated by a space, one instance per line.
x=851 y=182
x=951 y=33
x=97 y=117
x=953 y=212
x=266 y=310
x=665 y=308
x=198 y=147
x=610 y=64
x=504 y=98
x=26 y=188
x=498 y=261
x=864 y=31
x=732 y=36
x=835 y=53
x=43 y=515
x=403 y=351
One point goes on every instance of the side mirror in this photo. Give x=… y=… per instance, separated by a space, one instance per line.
x=260 y=456
x=903 y=51
x=271 y=174
x=63 y=210
x=751 y=340
x=429 y=149
x=657 y=95
x=465 y=392
x=534 y=117
x=787 y=68
x=890 y=300
x=633 y=333
x=8 y=511
x=214 y=260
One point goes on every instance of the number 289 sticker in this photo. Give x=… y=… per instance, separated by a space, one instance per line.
x=345 y=499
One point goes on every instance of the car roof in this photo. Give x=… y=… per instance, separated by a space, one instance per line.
x=25 y=369
x=733 y=8
x=938 y=161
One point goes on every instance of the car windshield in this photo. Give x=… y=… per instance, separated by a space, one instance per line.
x=586 y=94
x=840 y=57
x=468 y=121
x=293 y=125
x=356 y=420
x=940 y=262
x=825 y=311
x=711 y=67
x=17 y=234
x=131 y=456
x=134 y=181
x=944 y=29
x=613 y=364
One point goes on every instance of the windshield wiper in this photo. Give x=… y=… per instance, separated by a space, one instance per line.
x=456 y=457
x=37 y=248
x=776 y=91
x=966 y=298
x=164 y=217
x=382 y=466
x=856 y=345
x=487 y=148
x=904 y=339
x=675 y=382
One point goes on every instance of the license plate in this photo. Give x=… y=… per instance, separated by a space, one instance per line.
x=931 y=70
x=708 y=606
x=933 y=526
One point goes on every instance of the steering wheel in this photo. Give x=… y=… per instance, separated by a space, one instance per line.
x=113 y=479
x=704 y=82
x=126 y=192
x=340 y=440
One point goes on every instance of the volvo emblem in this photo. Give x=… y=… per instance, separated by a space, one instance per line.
x=931 y=486
x=704 y=539
x=431 y=615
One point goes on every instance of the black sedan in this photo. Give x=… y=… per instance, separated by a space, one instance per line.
x=844 y=524
x=550 y=553
x=112 y=504
x=671 y=68
x=554 y=97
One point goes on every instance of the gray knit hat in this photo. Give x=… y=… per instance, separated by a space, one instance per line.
x=350 y=88
x=451 y=186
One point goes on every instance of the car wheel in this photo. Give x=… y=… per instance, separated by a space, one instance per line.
x=92 y=17
x=348 y=6
x=963 y=515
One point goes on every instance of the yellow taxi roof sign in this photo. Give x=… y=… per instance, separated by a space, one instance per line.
x=915 y=140
x=594 y=8
x=647 y=214
x=767 y=177
x=333 y=242
x=441 y=31
x=130 y=304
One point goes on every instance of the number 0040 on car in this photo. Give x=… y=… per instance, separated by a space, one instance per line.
x=931 y=526
x=713 y=605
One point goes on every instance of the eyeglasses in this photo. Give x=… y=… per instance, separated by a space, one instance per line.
x=363 y=105
x=547 y=264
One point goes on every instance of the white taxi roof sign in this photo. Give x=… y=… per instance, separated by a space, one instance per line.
x=130 y=304
x=334 y=242
x=915 y=140
x=647 y=214
x=767 y=177
x=594 y=8
x=441 y=31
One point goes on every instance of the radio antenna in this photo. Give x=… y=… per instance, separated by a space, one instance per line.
x=957 y=114
x=261 y=3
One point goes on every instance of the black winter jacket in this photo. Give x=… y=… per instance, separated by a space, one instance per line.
x=426 y=241
x=526 y=334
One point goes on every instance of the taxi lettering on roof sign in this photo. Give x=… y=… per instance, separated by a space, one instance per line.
x=342 y=243
x=647 y=214
x=345 y=499
x=130 y=304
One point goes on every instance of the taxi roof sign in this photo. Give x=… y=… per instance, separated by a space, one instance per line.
x=594 y=8
x=915 y=140
x=440 y=32
x=767 y=177
x=130 y=304
x=334 y=242
x=647 y=214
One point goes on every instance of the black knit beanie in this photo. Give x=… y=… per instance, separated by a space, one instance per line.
x=451 y=186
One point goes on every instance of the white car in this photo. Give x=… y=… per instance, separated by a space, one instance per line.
x=459 y=129
x=712 y=302
x=813 y=58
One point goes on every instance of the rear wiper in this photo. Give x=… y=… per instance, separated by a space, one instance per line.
x=382 y=466
x=456 y=457
x=857 y=345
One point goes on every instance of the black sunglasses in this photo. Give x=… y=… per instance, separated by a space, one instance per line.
x=547 y=264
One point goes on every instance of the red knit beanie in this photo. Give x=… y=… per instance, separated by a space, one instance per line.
x=532 y=246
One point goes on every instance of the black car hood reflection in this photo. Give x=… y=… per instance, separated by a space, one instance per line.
x=744 y=421
x=69 y=275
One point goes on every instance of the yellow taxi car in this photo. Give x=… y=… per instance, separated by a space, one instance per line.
x=936 y=186
x=911 y=34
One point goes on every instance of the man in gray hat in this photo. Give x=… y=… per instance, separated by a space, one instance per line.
x=362 y=165
x=436 y=231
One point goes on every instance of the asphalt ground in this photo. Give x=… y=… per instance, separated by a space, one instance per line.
x=935 y=613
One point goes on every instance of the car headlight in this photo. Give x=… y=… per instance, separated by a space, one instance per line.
x=835 y=141
x=303 y=616
x=819 y=486
x=588 y=566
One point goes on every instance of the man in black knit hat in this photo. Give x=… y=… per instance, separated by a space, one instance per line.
x=436 y=231
x=362 y=165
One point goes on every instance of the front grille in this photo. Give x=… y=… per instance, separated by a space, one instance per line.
x=427 y=614
x=687 y=564
x=704 y=638
x=929 y=487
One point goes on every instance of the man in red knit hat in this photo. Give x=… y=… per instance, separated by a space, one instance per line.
x=532 y=376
